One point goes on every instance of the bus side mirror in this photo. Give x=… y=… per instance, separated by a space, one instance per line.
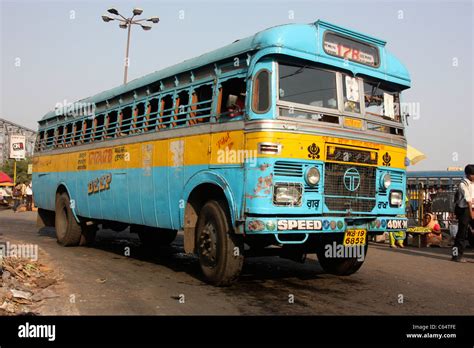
x=405 y=117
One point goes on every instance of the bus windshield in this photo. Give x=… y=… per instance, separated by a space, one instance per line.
x=381 y=102
x=313 y=93
x=308 y=86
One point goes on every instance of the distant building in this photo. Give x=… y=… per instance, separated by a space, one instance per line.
x=8 y=128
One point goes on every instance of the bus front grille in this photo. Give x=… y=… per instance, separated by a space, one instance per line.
x=349 y=187
x=343 y=204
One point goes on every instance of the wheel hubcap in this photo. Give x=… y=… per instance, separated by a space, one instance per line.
x=207 y=245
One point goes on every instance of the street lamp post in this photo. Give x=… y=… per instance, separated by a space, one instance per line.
x=126 y=23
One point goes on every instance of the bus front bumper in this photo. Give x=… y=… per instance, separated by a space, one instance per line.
x=318 y=224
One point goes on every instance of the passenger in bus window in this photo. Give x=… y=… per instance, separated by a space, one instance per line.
x=236 y=105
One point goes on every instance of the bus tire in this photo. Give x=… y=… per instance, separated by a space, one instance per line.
x=154 y=237
x=68 y=231
x=338 y=266
x=220 y=251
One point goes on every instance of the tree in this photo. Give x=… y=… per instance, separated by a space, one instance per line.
x=21 y=169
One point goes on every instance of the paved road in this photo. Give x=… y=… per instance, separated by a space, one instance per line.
x=103 y=280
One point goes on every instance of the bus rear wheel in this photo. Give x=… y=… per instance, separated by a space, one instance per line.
x=68 y=230
x=220 y=251
x=342 y=266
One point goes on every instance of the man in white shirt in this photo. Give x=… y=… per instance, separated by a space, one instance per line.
x=464 y=211
x=29 y=197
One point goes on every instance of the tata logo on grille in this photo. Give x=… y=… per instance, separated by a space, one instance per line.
x=351 y=179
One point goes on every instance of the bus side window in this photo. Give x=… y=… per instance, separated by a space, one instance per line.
x=261 y=92
x=83 y=132
x=42 y=140
x=77 y=132
x=94 y=127
x=201 y=105
x=126 y=121
x=59 y=136
x=87 y=130
x=112 y=124
x=50 y=138
x=166 y=110
x=232 y=104
x=99 y=127
x=64 y=136
x=181 y=109
x=39 y=141
x=139 y=117
x=152 y=114
x=68 y=137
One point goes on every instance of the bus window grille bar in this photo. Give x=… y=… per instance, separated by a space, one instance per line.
x=190 y=114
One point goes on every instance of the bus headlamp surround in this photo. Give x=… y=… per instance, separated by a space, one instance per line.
x=312 y=176
x=287 y=194
x=385 y=181
x=396 y=199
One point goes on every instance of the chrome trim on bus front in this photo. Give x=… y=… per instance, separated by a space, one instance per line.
x=319 y=128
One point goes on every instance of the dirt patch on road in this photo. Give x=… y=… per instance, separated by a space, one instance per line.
x=28 y=286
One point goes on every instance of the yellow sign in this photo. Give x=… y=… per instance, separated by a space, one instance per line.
x=355 y=237
x=352 y=123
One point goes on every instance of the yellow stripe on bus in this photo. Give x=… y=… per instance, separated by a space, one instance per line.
x=207 y=149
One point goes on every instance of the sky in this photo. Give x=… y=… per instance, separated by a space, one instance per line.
x=53 y=51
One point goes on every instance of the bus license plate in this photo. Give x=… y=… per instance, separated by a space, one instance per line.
x=355 y=237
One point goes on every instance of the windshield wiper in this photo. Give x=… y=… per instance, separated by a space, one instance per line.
x=295 y=73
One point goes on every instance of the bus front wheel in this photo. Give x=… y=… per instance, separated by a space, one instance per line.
x=68 y=231
x=342 y=266
x=220 y=251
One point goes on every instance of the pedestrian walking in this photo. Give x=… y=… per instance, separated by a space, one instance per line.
x=18 y=194
x=464 y=205
x=29 y=196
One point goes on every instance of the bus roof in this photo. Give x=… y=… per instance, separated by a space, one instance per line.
x=435 y=174
x=300 y=40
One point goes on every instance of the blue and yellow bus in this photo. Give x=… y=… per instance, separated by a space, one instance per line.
x=291 y=138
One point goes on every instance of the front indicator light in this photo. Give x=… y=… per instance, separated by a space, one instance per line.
x=396 y=199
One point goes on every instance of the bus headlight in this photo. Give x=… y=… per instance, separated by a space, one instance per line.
x=396 y=199
x=312 y=176
x=287 y=194
x=385 y=180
